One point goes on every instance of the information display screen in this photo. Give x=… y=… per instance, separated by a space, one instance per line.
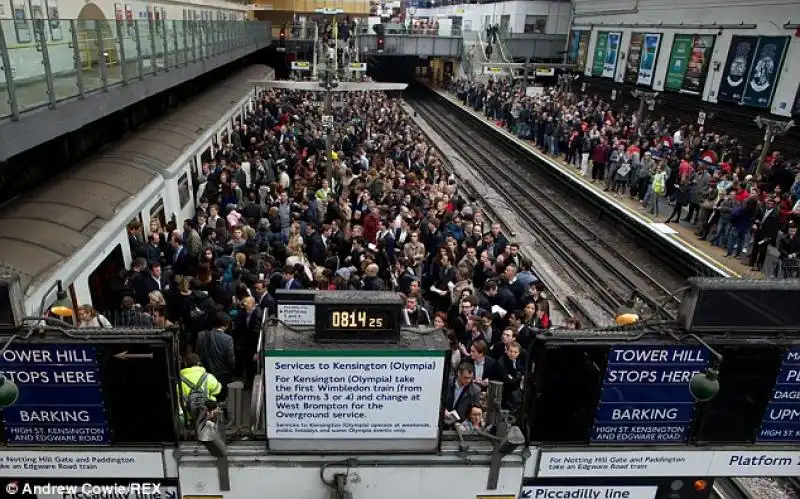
x=782 y=418
x=351 y=318
x=645 y=396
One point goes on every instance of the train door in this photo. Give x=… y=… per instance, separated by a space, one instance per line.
x=157 y=213
x=105 y=285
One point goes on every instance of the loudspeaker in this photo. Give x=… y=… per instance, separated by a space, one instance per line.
x=378 y=29
x=721 y=305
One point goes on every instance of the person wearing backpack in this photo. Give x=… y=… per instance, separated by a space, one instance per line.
x=196 y=389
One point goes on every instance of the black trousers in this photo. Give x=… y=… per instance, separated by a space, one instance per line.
x=759 y=253
x=598 y=171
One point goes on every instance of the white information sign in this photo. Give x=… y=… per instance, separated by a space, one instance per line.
x=677 y=463
x=578 y=492
x=95 y=464
x=353 y=394
x=300 y=66
x=296 y=314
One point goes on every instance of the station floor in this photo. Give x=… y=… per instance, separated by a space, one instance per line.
x=680 y=231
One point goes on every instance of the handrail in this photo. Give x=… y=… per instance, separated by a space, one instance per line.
x=114 y=52
x=501 y=43
x=482 y=47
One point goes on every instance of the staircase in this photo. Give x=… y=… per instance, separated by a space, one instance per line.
x=476 y=47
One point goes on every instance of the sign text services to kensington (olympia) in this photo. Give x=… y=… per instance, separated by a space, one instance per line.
x=353 y=394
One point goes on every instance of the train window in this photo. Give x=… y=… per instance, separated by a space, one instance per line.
x=568 y=381
x=215 y=141
x=157 y=213
x=105 y=286
x=746 y=379
x=206 y=156
x=183 y=190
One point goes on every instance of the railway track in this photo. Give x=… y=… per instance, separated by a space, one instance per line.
x=756 y=488
x=597 y=260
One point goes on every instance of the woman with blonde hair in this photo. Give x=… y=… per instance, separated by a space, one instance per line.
x=89 y=318
x=157 y=299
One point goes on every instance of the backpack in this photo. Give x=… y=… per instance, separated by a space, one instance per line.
x=197 y=397
x=227 y=274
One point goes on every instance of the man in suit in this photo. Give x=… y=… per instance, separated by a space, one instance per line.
x=765 y=234
x=289 y=282
x=150 y=281
x=485 y=368
x=248 y=329
x=513 y=363
x=180 y=256
x=318 y=244
x=462 y=393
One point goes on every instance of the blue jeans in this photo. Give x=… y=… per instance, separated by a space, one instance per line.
x=736 y=240
x=721 y=236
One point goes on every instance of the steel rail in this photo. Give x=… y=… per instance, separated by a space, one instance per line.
x=569 y=257
x=555 y=223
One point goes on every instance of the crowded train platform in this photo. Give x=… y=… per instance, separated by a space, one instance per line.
x=705 y=186
x=388 y=216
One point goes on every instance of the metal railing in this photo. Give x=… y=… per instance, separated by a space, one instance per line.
x=44 y=62
x=395 y=29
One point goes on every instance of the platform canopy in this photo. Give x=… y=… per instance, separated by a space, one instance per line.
x=343 y=86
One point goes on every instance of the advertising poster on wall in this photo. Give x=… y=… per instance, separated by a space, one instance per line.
x=649 y=55
x=696 y=69
x=574 y=46
x=578 y=46
x=600 y=49
x=678 y=61
x=737 y=67
x=583 y=51
x=764 y=74
x=634 y=57
x=612 y=53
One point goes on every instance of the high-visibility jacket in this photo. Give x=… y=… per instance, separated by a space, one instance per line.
x=193 y=375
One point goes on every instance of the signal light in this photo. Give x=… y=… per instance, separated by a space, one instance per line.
x=700 y=485
x=283 y=34
x=380 y=43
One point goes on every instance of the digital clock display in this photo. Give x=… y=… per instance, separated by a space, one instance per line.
x=359 y=318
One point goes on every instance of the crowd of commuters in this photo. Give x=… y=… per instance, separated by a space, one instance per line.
x=693 y=176
x=388 y=218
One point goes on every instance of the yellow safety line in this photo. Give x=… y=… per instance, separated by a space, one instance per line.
x=635 y=214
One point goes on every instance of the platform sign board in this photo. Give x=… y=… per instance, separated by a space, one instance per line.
x=60 y=395
x=645 y=396
x=92 y=392
x=358 y=66
x=668 y=463
x=345 y=400
x=781 y=421
x=97 y=463
x=295 y=306
x=588 y=492
x=301 y=66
